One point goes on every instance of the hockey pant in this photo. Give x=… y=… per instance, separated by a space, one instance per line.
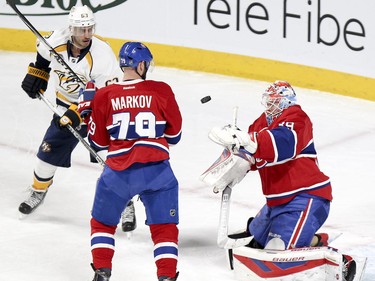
x=291 y=225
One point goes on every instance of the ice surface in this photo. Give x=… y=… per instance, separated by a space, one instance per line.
x=54 y=242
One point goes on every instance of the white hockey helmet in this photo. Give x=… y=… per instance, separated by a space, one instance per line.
x=277 y=97
x=81 y=16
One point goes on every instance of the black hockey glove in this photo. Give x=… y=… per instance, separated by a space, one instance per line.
x=71 y=117
x=35 y=81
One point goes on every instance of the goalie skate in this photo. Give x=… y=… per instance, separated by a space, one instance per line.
x=353 y=268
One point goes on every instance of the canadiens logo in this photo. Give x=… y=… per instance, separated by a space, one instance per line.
x=46 y=147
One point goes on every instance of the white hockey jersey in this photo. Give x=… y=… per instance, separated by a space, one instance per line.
x=99 y=64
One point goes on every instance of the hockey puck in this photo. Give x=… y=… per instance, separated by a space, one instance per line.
x=205 y=99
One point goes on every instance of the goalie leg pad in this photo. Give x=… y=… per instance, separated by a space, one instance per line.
x=304 y=264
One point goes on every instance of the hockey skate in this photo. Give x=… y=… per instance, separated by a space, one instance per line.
x=101 y=274
x=128 y=219
x=34 y=200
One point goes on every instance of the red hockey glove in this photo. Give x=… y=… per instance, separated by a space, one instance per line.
x=85 y=98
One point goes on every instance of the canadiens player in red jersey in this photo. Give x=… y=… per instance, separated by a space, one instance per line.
x=136 y=120
x=279 y=144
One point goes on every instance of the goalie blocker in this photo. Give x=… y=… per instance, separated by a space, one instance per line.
x=303 y=264
x=227 y=170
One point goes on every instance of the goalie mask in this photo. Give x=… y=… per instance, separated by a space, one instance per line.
x=81 y=21
x=278 y=96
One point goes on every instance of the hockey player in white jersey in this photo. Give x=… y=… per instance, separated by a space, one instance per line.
x=90 y=58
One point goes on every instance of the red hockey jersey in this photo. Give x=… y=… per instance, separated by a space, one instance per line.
x=286 y=158
x=136 y=121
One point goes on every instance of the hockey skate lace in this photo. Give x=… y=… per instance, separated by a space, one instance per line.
x=128 y=214
x=35 y=198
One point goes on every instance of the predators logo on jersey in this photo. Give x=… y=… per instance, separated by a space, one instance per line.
x=69 y=82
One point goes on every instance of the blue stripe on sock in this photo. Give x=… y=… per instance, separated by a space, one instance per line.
x=102 y=240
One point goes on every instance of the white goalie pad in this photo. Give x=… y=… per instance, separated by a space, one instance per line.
x=302 y=264
x=227 y=170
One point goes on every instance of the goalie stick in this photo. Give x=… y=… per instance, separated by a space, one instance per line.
x=223 y=240
x=61 y=61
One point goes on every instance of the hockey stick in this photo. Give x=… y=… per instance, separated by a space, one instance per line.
x=61 y=61
x=223 y=241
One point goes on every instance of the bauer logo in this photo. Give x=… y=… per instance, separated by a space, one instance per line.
x=57 y=8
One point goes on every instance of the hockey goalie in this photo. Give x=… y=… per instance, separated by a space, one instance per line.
x=280 y=243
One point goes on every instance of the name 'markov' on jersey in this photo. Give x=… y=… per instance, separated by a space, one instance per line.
x=140 y=101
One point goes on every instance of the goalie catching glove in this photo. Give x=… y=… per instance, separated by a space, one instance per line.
x=239 y=142
x=71 y=117
x=35 y=81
